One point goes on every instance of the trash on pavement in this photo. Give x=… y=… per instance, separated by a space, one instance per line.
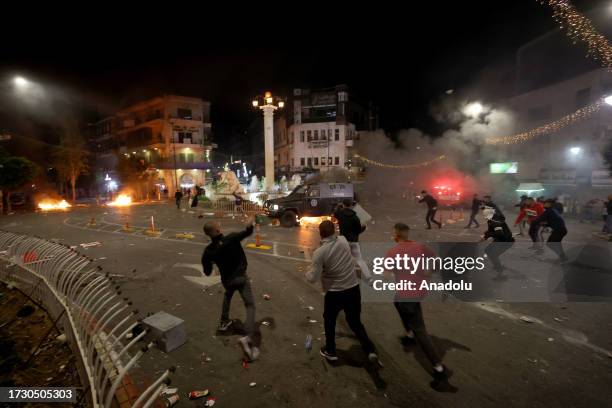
x=172 y=400
x=198 y=394
x=266 y=296
x=169 y=391
x=312 y=321
x=308 y=343
x=551 y=339
x=90 y=244
x=311 y=308
x=245 y=365
x=205 y=359
x=265 y=323
x=61 y=338
x=210 y=402
x=527 y=319
x=252 y=384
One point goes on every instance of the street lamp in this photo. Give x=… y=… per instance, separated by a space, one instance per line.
x=575 y=150
x=266 y=104
x=608 y=99
x=473 y=109
x=20 y=82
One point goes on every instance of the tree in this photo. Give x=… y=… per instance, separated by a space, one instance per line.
x=16 y=173
x=70 y=158
x=136 y=173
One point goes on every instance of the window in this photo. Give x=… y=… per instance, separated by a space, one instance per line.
x=336 y=134
x=189 y=158
x=323 y=161
x=301 y=136
x=582 y=97
x=183 y=113
x=329 y=161
x=322 y=134
x=316 y=161
x=291 y=140
x=309 y=162
x=337 y=161
x=329 y=134
x=292 y=162
x=182 y=157
x=313 y=192
x=302 y=162
x=309 y=135
x=316 y=135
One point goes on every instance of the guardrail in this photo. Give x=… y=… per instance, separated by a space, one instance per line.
x=87 y=304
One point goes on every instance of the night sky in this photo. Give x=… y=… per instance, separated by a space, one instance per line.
x=402 y=59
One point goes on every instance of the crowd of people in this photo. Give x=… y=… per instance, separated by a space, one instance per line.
x=338 y=265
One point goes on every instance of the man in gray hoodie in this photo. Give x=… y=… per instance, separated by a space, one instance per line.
x=334 y=265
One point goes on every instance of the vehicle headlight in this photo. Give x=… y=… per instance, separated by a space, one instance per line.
x=274 y=207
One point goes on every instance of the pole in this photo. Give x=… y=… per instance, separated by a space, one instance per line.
x=268 y=111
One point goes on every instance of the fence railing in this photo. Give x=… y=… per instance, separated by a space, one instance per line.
x=86 y=304
x=228 y=206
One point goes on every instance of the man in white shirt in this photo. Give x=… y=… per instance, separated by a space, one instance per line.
x=334 y=265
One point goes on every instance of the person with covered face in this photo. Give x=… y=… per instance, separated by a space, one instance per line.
x=555 y=222
x=432 y=207
x=531 y=210
x=500 y=233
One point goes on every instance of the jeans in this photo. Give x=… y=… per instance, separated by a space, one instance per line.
x=412 y=319
x=247 y=296
x=494 y=250
x=473 y=219
x=363 y=266
x=534 y=230
x=178 y=203
x=348 y=300
x=554 y=242
x=431 y=213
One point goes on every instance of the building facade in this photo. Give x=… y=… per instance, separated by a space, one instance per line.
x=316 y=131
x=170 y=135
x=555 y=78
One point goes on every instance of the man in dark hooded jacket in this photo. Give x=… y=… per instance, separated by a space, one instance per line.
x=350 y=227
x=498 y=230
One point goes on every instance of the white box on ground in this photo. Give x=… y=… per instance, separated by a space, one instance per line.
x=167 y=331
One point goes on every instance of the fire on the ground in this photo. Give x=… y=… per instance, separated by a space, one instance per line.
x=53 y=205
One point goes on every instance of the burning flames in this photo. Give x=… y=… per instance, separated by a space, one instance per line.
x=53 y=205
x=312 y=221
x=122 y=200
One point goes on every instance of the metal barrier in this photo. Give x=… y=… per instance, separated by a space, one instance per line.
x=87 y=305
x=227 y=206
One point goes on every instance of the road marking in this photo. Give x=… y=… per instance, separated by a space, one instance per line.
x=571 y=336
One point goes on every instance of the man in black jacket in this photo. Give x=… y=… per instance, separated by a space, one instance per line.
x=350 y=227
x=226 y=252
x=551 y=218
x=432 y=207
x=502 y=237
x=476 y=204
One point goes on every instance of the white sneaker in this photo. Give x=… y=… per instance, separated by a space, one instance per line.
x=255 y=352
x=246 y=347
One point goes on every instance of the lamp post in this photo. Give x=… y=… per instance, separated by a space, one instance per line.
x=268 y=108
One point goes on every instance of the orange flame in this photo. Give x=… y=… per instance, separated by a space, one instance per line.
x=122 y=200
x=53 y=205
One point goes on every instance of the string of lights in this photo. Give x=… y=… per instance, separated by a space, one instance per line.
x=580 y=28
x=572 y=118
x=400 y=166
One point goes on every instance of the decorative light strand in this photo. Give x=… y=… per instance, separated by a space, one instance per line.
x=572 y=118
x=400 y=166
x=580 y=28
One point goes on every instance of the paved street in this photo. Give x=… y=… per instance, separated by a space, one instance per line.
x=563 y=357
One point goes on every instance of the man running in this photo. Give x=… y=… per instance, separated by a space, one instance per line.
x=476 y=203
x=432 y=207
x=333 y=264
x=178 y=196
x=407 y=303
x=555 y=222
x=226 y=252
x=502 y=238
x=531 y=210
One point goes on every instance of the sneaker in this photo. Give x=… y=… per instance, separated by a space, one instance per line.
x=255 y=352
x=328 y=356
x=407 y=341
x=246 y=347
x=440 y=381
x=224 y=325
x=373 y=357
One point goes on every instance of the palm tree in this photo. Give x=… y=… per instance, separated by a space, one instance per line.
x=70 y=158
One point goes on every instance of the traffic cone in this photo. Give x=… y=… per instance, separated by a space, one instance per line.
x=257 y=236
x=92 y=222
